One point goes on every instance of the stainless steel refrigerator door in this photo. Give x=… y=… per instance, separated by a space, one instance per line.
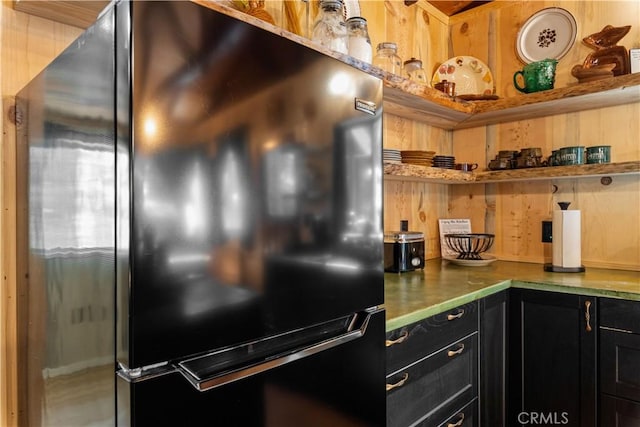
x=66 y=237
x=256 y=192
x=344 y=386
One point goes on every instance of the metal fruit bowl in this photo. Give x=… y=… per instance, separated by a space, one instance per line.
x=470 y=245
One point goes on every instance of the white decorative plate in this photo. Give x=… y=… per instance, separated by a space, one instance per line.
x=471 y=76
x=486 y=260
x=548 y=33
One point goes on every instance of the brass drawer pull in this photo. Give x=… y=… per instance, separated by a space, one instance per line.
x=403 y=336
x=587 y=315
x=456 y=316
x=452 y=353
x=459 y=423
x=400 y=383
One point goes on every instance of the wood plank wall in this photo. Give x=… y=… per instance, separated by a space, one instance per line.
x=514 y=211
x=611 y=229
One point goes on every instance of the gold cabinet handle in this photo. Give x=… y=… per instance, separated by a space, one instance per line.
x=459 y=423
x=403 y=336
x=452 y=353
x=456 y=316
x=587 y=314
x=400 y=383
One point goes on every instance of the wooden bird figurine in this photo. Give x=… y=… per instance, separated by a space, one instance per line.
x=606 y=51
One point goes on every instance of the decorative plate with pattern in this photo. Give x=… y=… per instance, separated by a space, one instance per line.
x=548 y=33
x=471 y=76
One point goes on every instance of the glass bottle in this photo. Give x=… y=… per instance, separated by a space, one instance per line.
x=359 y=43
x=414 y=70
x=387 y=58
x=330 y=29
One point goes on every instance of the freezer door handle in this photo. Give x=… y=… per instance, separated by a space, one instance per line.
x=356 y=329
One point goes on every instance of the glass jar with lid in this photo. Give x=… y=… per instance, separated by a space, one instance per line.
x=359 y=43
x=387 y=58
x=330 y=29
x=414 y=70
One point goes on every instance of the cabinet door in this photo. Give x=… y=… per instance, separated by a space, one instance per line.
x=618 y=412
x=620 y=364
x=493 y=353
x=553 y=358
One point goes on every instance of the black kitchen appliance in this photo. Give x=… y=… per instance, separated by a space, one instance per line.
x=202 y=235
x=403 y=250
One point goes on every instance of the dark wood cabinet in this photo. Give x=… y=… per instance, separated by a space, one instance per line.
x=619 y=363
x=494 y=347
x=553 y=358
x=617 y=412
x=432 y=370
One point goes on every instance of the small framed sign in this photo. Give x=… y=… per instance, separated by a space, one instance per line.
x=452 y=226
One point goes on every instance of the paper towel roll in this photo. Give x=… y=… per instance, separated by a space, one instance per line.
x=566 y=239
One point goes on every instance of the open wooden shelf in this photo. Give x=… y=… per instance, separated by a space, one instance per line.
x=78 y=13
x=450 y=176
x=403 y=97
x=434 y=108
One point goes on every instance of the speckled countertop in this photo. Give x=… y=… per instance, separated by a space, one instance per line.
x=413 y=296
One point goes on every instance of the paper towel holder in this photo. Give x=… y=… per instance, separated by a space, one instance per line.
x=561 y=269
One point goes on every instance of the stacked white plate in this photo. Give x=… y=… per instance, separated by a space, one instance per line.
x=391 y=156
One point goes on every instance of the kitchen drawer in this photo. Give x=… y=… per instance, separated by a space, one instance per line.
x=414 y=341
x=620 y=314
x=434 y=385
x=616 y=412
x=465 y=417
x=620 y=364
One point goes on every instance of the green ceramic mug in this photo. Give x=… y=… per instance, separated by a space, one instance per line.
x=599 y=154
x=571 y=155
x=537 y=76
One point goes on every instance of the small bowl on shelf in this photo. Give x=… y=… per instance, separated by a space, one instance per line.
x=469 y=246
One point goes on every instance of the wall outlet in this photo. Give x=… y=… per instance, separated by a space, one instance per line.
x=547 y=235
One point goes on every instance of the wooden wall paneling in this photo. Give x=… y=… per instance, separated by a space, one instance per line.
x=521 y=207
x=472 y=37
x=419 y=33
x=8 y=291
x=420 y=203
x=470 y=201
x=435 y=37
x=616 y=126
x=517 y=224
x=610 y=222
x=376 y=15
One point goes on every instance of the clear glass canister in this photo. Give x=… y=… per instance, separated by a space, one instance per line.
x=330 y=29
x=387 y=58
x=359 y=43
x=414 y=70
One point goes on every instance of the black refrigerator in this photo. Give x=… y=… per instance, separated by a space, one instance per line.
x=200 y=227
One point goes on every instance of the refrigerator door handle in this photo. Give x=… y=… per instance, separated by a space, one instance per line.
x=360 y=323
